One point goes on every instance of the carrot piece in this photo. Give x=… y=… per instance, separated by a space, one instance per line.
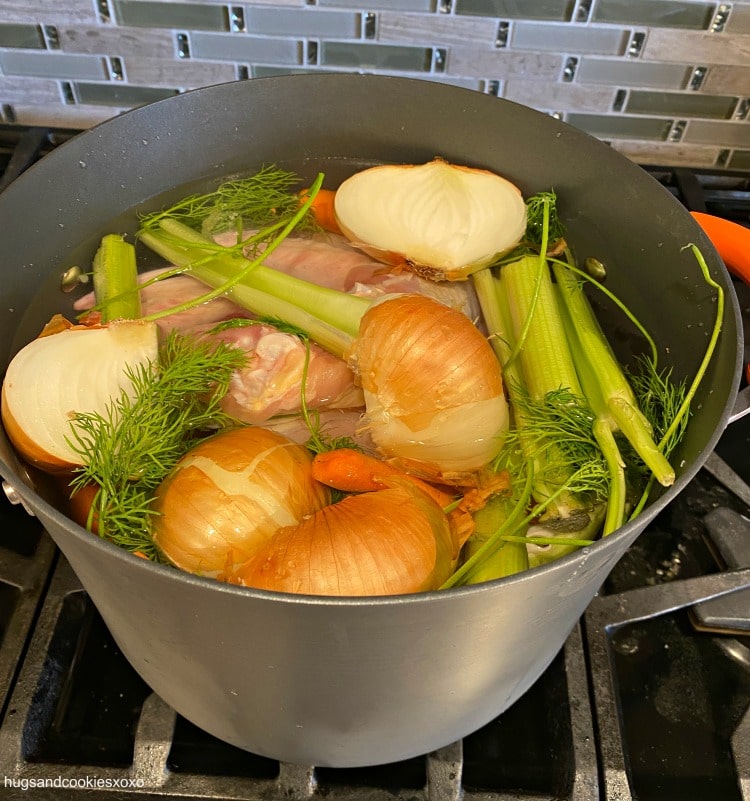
x=731 y=240
x=352 y=471
x=322 y=209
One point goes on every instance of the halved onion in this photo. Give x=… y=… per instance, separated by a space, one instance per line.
x=229 y=494
x=80 y=369
x=433 y=388
x=440 y=220
x=388 y=542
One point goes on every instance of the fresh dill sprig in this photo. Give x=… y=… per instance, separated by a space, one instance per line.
x=268 y=195
x=560 y=426
x=537 y=207
x=128 y=450
x=544 y=229
x=660 y=399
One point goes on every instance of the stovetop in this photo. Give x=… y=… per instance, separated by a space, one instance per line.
x=649 y=699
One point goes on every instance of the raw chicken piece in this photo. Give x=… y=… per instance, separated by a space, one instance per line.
x=171 y=292
x=332 y=424
x=329 y=260
x=271 y=383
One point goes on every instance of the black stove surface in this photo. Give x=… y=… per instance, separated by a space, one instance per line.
x=642 y=703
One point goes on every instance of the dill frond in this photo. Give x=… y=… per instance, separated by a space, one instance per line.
x=537 y=207
x=128 y=450
x=560 y=428
x=268 y=195
x=660 y=399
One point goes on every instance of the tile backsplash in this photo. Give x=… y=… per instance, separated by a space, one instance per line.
x=663 y=81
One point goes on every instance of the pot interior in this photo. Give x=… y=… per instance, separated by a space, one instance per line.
x=57 y=212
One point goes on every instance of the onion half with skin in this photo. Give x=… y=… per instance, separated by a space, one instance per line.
x=440 y=220
x=79 y=369
x=228 y=496
x=389 y=542
x=433 y=389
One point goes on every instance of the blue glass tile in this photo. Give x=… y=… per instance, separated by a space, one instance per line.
x=120 y=95
x=28 y=36
x=621 y=127
x=560 y=10
x=295 y=22
x=379 y=57
x=171 y=15
x=657 y=13
x=52 y=65
x=681 y=104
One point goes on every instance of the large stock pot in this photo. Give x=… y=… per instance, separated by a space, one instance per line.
x=340 y=681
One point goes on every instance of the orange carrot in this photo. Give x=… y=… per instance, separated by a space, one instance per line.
x=352 y=471
x=322 y=209
x=731 y=240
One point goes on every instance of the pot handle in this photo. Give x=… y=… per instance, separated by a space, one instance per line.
x=732 y=243
x=741 y=405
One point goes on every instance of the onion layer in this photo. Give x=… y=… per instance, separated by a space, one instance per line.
x=440 y=220
x=433 y=388
x=229 y=494
x=389 y=542
x=80 y=369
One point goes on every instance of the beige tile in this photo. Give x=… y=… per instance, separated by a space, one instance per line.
x=187 y=74
x=29 y=91
x=560 y=96
x=692 y=47
x=64 y=116
x=668 y=154
x=722 y=79
x=436 y=30
x=117 y=41
x=498 y=64
x=49 y=12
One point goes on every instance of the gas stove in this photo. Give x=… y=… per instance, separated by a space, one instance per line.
x=648 y=700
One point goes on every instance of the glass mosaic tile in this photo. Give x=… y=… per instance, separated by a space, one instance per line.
x=289 y=22
x=618 y=72
x=52 y=65
x=171 y=15
x=569 y=38
x=730 y=134
x=27 y=36
x=366 y=56
x=117 y=94
x=661 y=13
x=620 y=127
x=560 y=10
x=240 y=47
x=739 y=160
x=680 y=104
x=375 y=5
x=664 y=79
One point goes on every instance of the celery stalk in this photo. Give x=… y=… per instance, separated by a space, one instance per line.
x=526 y=293
x=231 y=273
x=601 y=429
x=544 y=354
x=598 y=361
x=116 y=279
x=509 y=558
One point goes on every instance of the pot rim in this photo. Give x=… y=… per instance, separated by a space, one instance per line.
x=631 y=530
